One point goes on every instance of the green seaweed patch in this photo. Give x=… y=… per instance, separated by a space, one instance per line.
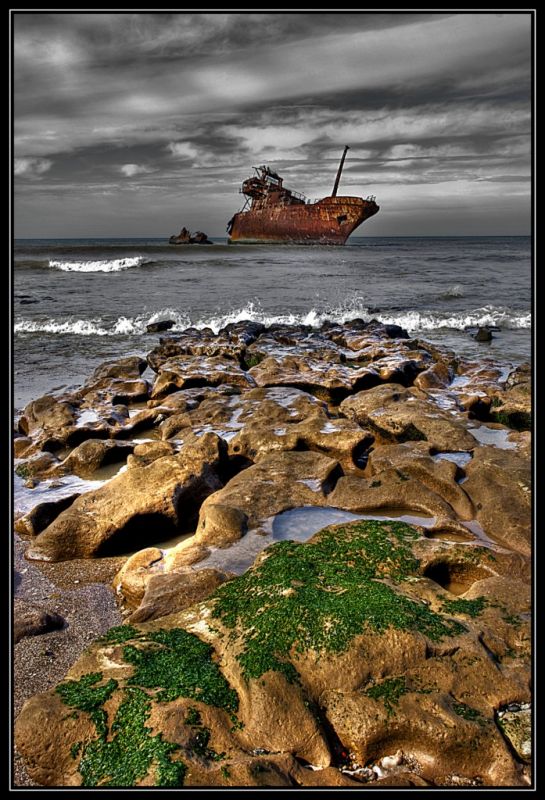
x=389 y=691
x=120 y=634
x=175 y=664
x=512 y=619
x=252 y=360
x=180 y=665
x=22 y=470
x=123 y=754
x=473 y=554
x=501 y=417
x=237 y=725
x=130 y=752
x=319 y=595
x=470 y=607
x=75 y=748
x=85 y=695
x=467 y=712
x=192 y=717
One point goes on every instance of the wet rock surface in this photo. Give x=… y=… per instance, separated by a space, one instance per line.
x=382 y=650
x=395 y=413
x=163 y=494
x=31 y=620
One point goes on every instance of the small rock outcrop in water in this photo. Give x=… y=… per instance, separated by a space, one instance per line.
x=185 y=237
x=266 y=635
x=483 y=335
x=162 y=325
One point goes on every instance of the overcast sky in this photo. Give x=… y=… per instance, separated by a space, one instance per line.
x=134 y=124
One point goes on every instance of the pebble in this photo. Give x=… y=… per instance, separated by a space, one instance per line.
x=40 y=662
x=388 y=762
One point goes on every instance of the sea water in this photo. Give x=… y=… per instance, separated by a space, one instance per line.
x=78 y=302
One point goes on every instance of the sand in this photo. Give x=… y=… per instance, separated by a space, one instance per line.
x=77 y=590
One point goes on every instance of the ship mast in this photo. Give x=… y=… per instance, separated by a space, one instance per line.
x=337 y=179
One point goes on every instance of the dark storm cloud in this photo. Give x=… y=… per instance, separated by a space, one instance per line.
x=118 y=106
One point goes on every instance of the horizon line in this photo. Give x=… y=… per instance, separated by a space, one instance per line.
x=384 y=236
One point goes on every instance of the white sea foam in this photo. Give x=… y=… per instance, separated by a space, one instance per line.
x=431 y=320
x=98 y=326
x=413 y=321
x=109 y=265
x=453 y=291
x=79 y=327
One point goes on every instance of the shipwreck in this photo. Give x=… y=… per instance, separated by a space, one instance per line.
x=273 y=214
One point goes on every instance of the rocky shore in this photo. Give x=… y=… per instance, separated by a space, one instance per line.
x=319 y=542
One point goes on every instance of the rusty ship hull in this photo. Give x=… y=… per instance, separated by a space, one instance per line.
x=329 y=221
x=277 y=215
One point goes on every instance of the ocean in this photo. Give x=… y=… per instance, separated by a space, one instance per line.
x=79 y=302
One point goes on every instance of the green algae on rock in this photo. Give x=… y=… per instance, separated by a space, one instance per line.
x=321 y=594
x=468 y=713
x=181 y=666
x=461 y=606
x=125 y=757
x=131 y=751
x=85 y=695
x=176 y=663
x=119 y=634
x=389 y=691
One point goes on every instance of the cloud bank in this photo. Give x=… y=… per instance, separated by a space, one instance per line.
x=134 y=123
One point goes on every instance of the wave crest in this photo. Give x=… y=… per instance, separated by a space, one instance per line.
x=452 y=291
x=413 y=321
x=109 y=265
x=486 y=316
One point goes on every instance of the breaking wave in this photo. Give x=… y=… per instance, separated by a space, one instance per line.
x=492 y=316
x=109 y=265
x=413 y=321
x=452 y=292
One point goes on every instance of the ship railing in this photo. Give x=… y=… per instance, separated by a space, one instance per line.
x=371 y=198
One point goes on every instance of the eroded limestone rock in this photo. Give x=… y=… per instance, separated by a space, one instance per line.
x=374 y=664
x=395 y=413
x=153 y=500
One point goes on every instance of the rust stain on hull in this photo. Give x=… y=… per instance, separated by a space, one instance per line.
x=329 y=221
x=279 y=216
